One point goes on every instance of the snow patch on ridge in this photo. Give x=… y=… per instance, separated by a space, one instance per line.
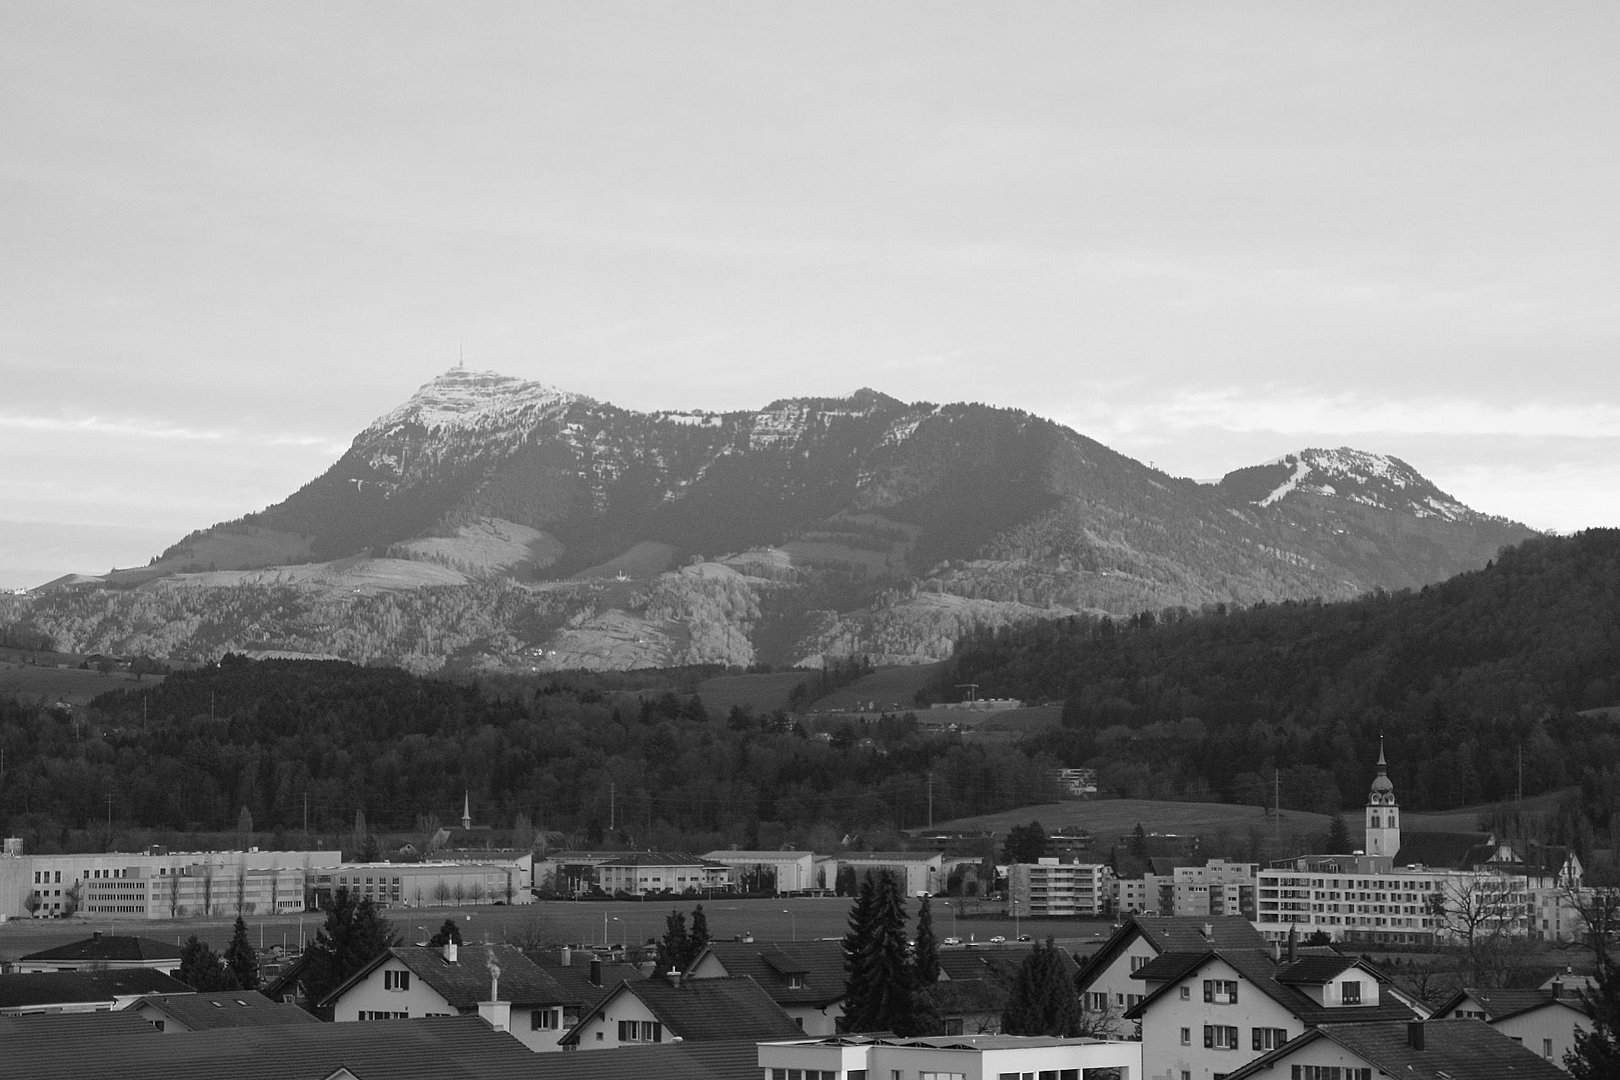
x=1301 y=471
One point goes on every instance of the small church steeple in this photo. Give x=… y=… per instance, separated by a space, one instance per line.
x=1383 y=814
x=466 y=810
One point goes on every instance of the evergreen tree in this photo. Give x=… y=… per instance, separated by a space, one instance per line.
x=674 y=947
x=1139 y=844
x=1597 y=1052
x=202 y=969
x=925 y=956
x=1043 y=1000
x=242 y=958
x=699 y=936
x=449 y=933
x=1338 y=837
x=1025 y=843
x=880 y=972
x=354 y=934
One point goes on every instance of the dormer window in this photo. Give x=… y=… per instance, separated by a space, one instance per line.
x=795 y=981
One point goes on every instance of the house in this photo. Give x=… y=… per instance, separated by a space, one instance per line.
x=806 y=978
x=496 y=982
x=1104 y=980
x=104 y=952
x=656 y=1011
x=122 y=1046
x=1212 y=1011
x=1411 y=1050
x=83 y=991
x=949 y=1056
x=180 y=1013
x=1542 y=1021
x=974 y=986
x=585 y=979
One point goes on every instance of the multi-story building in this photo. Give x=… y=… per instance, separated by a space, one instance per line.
x=794 y=870
x=427 y=884
x=1051 y=886
x=1367 y=897
x=170 y=885
x=639 y=873
x=919 y=872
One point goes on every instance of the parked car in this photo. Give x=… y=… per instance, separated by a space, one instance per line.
x=952 y=941
x=998 y=940
x=1025 y=937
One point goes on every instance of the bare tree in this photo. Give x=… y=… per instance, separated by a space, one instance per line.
x=1484 y=915
x=1599 y=912
x=441 y=892
x=533 y=936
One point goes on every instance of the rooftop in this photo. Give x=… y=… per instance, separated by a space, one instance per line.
x=106 y=948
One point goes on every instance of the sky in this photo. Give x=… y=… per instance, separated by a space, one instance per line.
x=1206 y=235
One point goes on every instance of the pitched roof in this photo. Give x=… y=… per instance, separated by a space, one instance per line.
x=698 y=1009
x=654 y=858
x=819 y=966
x=230 y=1008
x=1445 y=850
x=1501 y=1004
x=720 y=1059
x=1314 y=970
x=888 y=856
x=1004 y=960
x=77 y=987
x=122 y=1046
x=1172 y=933
x=1260 y=971
x=106 y=948
x=1451 y=1049
x=575 y=977
x=466 y=982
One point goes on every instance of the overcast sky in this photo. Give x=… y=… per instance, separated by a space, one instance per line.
x=1206 y=235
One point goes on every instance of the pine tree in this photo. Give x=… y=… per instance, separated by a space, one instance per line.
x=242 y=958
x=698 y=939
x=355 y=933
x=674 y=946
x=925 y=956
x=860 y=930
x=1043 y=1000
x=202 y=969
x=880 y=993
x=1597 y=1052
x=1338 y=837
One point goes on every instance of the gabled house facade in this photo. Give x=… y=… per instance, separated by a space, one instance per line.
x=1104 y=981
x=659 y=1011
x=1542 y=1021
x=805 y=978
x=1215 y=1011
x=496 y=982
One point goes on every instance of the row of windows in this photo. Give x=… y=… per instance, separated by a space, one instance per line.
x=1044 y=1074
x=813 y=1074
x=641 y=1031
x=1329 y=1072
x=396 y=980
x=383 y=1014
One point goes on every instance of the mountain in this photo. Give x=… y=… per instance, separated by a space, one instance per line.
x=503 y=523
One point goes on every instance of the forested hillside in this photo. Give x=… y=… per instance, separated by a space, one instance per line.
x=576 y=757
x=1465 y=680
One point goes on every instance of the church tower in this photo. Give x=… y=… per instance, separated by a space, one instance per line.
x=1383 y=816
x=466 y=808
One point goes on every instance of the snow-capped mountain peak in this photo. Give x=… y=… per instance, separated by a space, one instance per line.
x=1380 y=481
x=471 y=401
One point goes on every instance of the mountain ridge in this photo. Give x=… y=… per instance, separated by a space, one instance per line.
x=829 y=517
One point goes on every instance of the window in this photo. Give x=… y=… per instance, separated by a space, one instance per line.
x=1269 y=1038
x=1221 y=991
x=953 y=1026
x=1139 y=962
x=1329 y=1072
x=543 y=1020
x=1096 y=1002
x=941 y=1076
x=1186 y=993
x=641 y=1031
x=1186 y=1036
x=1350 y=992
x=396 y=980
x=1220 y=1037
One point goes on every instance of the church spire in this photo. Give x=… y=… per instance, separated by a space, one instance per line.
x=1383 y=814
x=466 y=810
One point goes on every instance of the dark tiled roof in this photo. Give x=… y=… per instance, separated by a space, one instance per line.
x=466 y=982
x=575 y=978
x=1500 y=1004
x=1173 y=933
x=106 y=948
x=1452 y=1050
x=1168 y=967
x=974 y=963
x=819 y=964
x=954 y=997
x=75 y=987
x=714 y=1060
x=656 y=858
x=887 y=856
x=231 y=1008
x=1314 y=970
x=122 y=1046
x=706 y=1009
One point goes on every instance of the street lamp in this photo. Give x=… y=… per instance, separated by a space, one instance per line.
x=1016 y=934
x=953 y=917
x=795 y=922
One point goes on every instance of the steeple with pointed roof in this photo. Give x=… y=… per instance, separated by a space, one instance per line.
x=466 y=809
x=1383 y=814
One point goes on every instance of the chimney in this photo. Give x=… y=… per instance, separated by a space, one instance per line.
x=1209 y=931
x=567 y=957
x=95 y=935
x=497 y=1014
x=1557 y=989
x=1414 y=1034
x=1276 y=952
x=674 y=978
x=596 y=972
x=449 y=952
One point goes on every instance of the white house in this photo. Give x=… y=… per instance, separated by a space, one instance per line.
x=1217 y=1010
x=1105 y=983
x=1542 y=1021
x=496 y=982
x=659 y=1011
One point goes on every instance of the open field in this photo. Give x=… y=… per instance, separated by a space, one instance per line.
x=73 y=685
x=564 y=921
x=1106 y=819
x=764 y=693
x=893 y=689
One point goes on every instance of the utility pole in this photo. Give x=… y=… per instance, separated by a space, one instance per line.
x=613 y=791
x=930 y=800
